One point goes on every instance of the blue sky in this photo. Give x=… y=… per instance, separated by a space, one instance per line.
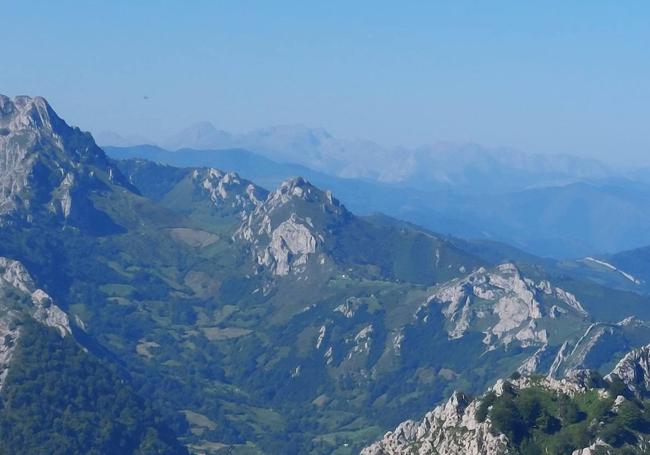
x=557 y=77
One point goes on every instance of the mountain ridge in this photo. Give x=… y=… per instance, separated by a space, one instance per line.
x=281 y=321
x=547 y=221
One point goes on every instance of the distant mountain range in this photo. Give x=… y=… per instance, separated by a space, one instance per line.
x=150 y=308
x=563 y=211
x=462 y=167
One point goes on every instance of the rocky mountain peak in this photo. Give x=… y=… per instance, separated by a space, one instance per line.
x=451 y=428
x=287 y=229
x=46 y=164
x=25 y=112
x=456 y=427
x=297 y=188
x=507 y=305
x=634 y=370
x=229 y=190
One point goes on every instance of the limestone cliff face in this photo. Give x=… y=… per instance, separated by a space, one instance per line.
x=450 y=429
x=453 y=428
x=19 y=296
x=46 y=165
x=634 y=370
x=599 y=343
x=291 y=225
x=229 y=191
x=509 y=306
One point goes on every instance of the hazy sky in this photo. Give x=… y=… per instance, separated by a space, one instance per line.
x=563 y=77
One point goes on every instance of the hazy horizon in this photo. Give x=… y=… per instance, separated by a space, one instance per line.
x=138 y=139
x=556 y=78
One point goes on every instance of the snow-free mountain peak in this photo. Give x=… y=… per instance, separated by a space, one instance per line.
x=47 y=166
x=200 y=135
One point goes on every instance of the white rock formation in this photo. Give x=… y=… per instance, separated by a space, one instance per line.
x=594 y=449
x=634 y=370
x=14 y=274
x=282 y=241
x=362 y=341
x=14 y=278
x=8 y=338
x=227 y=189
x=31 y=133
x=350 y=307
x=450 y=429
x=504 y=296
x=321 y=336
x=453 y=429
x=290 y=247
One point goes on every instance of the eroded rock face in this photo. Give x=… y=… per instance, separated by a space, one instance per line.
x=290 y=247
x=8 y=337
x=13 y=274
x=508 y=303
x=19 y=115
x=44 y=162
x=229 y=190
x=598 y=342
x=282 y=241
x=450 y=429
x=634 y=370
x=14 y=279
x=594 y=449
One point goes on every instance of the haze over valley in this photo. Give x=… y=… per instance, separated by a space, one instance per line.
x=550 y=205
x=250 y=228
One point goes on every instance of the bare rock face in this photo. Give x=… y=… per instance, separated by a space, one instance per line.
x=283 y=241
x=599 y=342
x=598 y=447
x=450 y=429
x=634 y=370
x=290 y=247
x=229 y=190
x=8 y=337
x=15 y=280
x=20 y=120
x=14 y=275
x=510 y=305
x=46 y=164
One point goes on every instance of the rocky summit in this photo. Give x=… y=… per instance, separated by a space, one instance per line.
x=189 y=309
x=48 y=168
x=499 y=422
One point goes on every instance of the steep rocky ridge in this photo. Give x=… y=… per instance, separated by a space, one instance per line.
x=634 y=370
x=48 y=168
x=465 y=425
x=282 y=240
x=19 y=297
x=282 y=322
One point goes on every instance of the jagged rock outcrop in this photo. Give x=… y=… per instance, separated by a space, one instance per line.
x=47 y=166
x=600 y=343
x=43 y=309
x=450 y=429
x=289 y=227
x=634 y=370
x=228 y=190
x=453 y=427
x=510 y=304
x=19 y=296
